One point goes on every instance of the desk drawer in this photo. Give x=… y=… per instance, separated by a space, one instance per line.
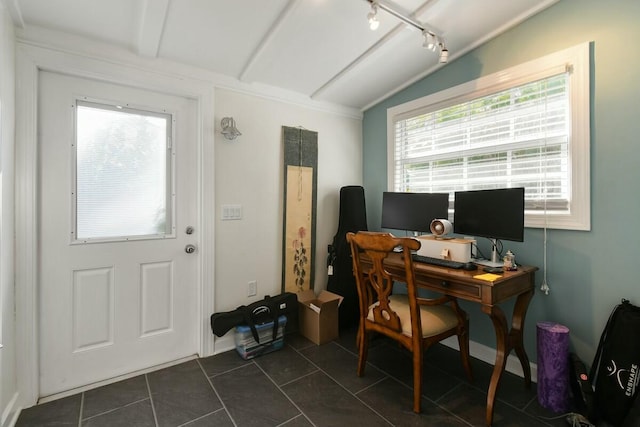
x=469 y=291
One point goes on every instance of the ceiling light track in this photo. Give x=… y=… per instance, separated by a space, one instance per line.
x=432 y=41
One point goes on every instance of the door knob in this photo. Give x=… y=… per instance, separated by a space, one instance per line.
x=190 y=249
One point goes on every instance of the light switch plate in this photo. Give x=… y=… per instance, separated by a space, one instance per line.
x=231 y=212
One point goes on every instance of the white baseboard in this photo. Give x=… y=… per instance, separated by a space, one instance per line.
x=224 y=343
x=488 y=355
x=11 y=412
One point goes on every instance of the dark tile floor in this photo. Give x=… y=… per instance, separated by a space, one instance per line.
x=300 y=385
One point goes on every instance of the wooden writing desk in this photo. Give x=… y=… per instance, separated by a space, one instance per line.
x=461 y=284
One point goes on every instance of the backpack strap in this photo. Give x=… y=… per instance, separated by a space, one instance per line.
x=266 y=312
x=248 y=320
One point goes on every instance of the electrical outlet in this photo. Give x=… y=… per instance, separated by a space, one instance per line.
x=252 y=288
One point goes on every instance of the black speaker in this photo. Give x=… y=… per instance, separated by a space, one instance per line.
x=353 y=217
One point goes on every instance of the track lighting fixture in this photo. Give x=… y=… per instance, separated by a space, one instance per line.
x=433 y=43
x=431 y=40
x=373 y=17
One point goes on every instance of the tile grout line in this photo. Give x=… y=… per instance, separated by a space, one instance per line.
x=436 y=402
x=216 y=391
x=225 y=372
x=153 y=407
x=461 y=383
x=342 y=386
x=388 y=375
x=373 y=384
x=81 y=410
x=200 y=418
x=115 y=409
x=285 y=394
x=539 y=417
x=299 y=378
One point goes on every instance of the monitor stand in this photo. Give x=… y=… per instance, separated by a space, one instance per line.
x=495 y=258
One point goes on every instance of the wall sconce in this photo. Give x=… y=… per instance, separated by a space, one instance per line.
x=229 y=129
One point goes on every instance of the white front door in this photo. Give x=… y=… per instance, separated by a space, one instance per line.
x=118 y=291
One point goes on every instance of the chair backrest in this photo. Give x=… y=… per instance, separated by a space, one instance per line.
x=377 y=283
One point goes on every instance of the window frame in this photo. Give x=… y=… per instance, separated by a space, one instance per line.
x=170 y=173
x=576 y=60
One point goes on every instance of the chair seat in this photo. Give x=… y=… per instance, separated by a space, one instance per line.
x=435 y=319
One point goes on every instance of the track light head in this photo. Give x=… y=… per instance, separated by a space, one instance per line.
x=430 y=40
x=444 y=55
x=372 y=17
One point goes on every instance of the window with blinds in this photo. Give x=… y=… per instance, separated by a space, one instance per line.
x=525 y=131
x=514 y=138
x=123 y=182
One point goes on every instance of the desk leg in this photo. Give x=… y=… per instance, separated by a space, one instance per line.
x=515 y=336
x=502 y=350
x=506 y=341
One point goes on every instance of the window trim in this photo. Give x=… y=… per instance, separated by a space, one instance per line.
x=575 y=59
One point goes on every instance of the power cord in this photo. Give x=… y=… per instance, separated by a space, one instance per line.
x=499 y=248
x=572 y=418
x=578 y=420
x=480 y=255
x=544 y=287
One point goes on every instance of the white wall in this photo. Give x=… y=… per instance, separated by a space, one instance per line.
x=249 y=172
x=8 y=384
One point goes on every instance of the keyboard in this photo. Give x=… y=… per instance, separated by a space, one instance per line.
x=437 y=261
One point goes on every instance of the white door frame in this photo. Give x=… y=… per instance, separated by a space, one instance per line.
x=30 y=60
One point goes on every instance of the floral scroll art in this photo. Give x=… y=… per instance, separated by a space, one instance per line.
x=300 y=259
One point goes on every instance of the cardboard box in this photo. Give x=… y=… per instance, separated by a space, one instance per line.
x=319 y=315
x=248 y=348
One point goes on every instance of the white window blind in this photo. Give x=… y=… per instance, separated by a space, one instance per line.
x=122 y=173
x=527 y=126
x=513 y=138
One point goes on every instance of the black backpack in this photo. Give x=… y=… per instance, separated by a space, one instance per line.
x=615 y=370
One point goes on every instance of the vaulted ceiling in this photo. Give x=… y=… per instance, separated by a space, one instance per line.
x=320 y=49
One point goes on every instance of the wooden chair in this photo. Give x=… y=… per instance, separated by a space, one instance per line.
x=416 y=323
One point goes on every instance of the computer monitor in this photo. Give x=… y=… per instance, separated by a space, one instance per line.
x=413 y=211
x=495 y=214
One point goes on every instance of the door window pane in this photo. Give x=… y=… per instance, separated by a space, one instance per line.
x=122 y=174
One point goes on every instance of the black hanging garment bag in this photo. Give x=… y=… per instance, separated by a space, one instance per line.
x=353 y=217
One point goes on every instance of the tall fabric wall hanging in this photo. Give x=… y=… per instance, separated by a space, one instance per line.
x=300 y=194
